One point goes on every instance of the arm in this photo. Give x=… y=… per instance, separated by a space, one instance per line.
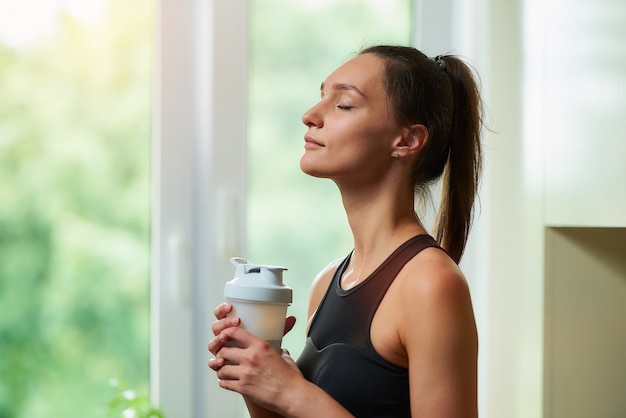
x=266 y=384
x=441 y=342
x=268 y=380
x=221 y=324
x=257 y=412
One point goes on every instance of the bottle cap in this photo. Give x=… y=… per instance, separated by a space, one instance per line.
x=257 y=283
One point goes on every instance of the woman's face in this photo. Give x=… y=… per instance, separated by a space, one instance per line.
x=351 y=130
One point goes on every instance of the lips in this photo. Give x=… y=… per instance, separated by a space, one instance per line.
x=311 y=143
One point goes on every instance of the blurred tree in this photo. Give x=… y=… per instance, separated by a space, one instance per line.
x=75 y=212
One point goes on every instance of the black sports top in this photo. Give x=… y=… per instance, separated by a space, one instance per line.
x=339 y=356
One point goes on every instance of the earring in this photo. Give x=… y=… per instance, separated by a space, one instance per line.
x=395 y=154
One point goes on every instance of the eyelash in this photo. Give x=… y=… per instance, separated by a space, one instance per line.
x=343 y=107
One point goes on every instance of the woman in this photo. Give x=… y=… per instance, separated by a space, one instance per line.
x=391 y=330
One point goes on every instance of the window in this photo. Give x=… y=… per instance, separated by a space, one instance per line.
x=231 y=80
x=74 y=204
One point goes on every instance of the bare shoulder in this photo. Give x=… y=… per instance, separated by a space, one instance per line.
x=436 y=295
x=439 y=336
x=321 y=281
x=319 y=286
x=433 y=277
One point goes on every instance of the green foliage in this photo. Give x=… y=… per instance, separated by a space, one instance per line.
x=129 y=404
x=74 y=213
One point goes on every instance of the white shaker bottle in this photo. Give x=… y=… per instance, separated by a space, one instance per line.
x=259 y=299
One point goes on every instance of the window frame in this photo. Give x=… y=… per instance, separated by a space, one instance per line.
x=199 y=134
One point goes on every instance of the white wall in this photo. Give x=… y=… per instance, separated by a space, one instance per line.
x=554 y=74
x=585 y=102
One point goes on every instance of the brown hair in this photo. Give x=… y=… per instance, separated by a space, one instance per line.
x=442 y=94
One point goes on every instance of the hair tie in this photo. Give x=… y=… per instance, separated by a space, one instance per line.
x=440 y=61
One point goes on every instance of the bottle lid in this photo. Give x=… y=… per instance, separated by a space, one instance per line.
x=257 y=282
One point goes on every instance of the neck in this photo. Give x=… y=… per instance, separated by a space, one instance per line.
x=381 y=219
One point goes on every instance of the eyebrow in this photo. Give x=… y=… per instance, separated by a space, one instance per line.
x=345 y=86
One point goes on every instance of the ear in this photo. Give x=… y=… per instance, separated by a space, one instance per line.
x=412 y=140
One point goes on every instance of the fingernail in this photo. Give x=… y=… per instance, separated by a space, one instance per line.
x=234 y=321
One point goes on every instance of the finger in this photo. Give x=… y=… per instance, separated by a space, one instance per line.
x=290 y=321
x=222 y=310
x=215 y=345
x=227 y=372
x=239 y=337
x=222 y=341
x=221 y=324
x=221 y=338
x=228 y=385
x=216 y=363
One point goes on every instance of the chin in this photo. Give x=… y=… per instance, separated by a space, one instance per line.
x=308 y=168
x=305 y=166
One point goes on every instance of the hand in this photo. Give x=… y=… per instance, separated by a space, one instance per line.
x=254 y=369
x=223 y=322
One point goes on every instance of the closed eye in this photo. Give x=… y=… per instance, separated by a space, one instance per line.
x=344 y=107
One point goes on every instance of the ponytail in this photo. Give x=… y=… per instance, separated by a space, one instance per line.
x=461 y=174
x=442 y=94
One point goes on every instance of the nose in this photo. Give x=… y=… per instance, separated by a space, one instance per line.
x=312 y=117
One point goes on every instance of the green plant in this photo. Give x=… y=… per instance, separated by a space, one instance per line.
x=128 y=403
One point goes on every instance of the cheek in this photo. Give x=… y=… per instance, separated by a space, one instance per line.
x=363 y=131
x=359 y=136
x=372 y=139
